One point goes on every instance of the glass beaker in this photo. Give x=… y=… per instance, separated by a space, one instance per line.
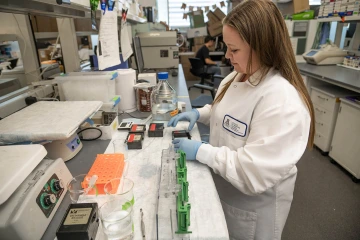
x=76 y=189
x=122 y=187
x=116 y=219
x=121 y=147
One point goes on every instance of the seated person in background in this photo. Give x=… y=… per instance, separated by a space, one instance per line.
x=203 y=54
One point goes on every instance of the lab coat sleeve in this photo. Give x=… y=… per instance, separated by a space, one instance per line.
x=204 y=114
x=277 y=139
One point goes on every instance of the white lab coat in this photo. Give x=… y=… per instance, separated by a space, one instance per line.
x=257 y=135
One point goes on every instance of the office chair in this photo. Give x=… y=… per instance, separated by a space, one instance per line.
x=198 y=69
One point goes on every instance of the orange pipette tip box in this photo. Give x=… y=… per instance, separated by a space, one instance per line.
x=106 y=167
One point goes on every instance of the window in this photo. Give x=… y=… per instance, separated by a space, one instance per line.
x=314 y=2
x=176 y=13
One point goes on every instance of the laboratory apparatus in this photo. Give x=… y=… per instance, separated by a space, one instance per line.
x=156 y=130
x=105 y=167
x=164 y=99
x=117 y=218
x=100 y=86
x=328 y=54
x=138 y=128
x=181 y=134
x=173 y=197
x=134 y=140
x=159 y=49
x=125 y=125
x=31 y=191
x=51 y=123
x=81 y=221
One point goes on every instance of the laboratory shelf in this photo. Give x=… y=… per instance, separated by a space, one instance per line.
x=46 y=35
x=338 y=19
x=135 y=19
x=131 y=18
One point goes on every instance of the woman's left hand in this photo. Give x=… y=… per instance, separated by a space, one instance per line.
x=190 y=147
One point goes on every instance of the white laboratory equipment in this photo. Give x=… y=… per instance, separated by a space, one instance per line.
x=159 y=49
x=31 y=191
x=100 y=86
x=328 y=54
x=51 y=123
x=163 y=99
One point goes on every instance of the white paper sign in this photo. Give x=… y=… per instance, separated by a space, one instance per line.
x=108 y=45
x=126 y=49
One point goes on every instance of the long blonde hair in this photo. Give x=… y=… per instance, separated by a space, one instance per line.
x=261 y=25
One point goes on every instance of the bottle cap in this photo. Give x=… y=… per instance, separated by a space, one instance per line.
x=163 y=75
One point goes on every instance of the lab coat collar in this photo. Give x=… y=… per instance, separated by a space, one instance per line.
x=254 y=79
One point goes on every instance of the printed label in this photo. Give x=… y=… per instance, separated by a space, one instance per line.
x=137 y=138
x=235 y=126
x=78 y=216
x=173 y=113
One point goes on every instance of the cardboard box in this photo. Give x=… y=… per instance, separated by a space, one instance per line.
x=215 y=29
x=212 y=17
x=219 y=14
x=184 y=59
x=189 y=76
x=196 y=19
x=197 y=32
x=199 y=40
x=44 y=54
x=295 y=6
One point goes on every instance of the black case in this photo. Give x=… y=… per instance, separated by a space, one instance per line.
x=86 y=231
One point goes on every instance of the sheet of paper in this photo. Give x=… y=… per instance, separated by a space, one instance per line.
x=108 y=46
x=126 y=49
x=294 y=43
x=289 y=25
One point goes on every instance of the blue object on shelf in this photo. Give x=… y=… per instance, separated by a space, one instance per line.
x=122 y=65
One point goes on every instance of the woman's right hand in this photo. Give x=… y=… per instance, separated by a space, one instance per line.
x=191 y=116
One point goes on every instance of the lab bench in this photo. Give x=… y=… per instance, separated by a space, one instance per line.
x=336 y=131
x=143 y=170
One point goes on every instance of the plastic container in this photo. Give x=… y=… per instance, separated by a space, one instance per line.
x=164 y=99
x=143 y=96
x=106 y=167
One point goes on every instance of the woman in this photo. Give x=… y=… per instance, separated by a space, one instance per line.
x=260 y=123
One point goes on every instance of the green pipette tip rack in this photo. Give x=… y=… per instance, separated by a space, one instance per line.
x=183 y=207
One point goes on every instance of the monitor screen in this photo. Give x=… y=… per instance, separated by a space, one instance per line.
x=311 y=53
x=138 y=54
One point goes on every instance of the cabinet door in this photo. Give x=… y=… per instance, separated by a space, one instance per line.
x=345 y=144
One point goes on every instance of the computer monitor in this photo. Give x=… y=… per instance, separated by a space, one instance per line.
x=138 y=54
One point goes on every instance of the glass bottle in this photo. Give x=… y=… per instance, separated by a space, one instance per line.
x=164 y=99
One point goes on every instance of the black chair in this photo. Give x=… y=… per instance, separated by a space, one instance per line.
x=198 y=69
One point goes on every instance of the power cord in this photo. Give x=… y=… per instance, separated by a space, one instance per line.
x=90 y=128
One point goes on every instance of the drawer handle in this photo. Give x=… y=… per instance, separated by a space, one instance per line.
x=319 y=110
x=322 y=98
x=319 y=123
x=319 y=136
